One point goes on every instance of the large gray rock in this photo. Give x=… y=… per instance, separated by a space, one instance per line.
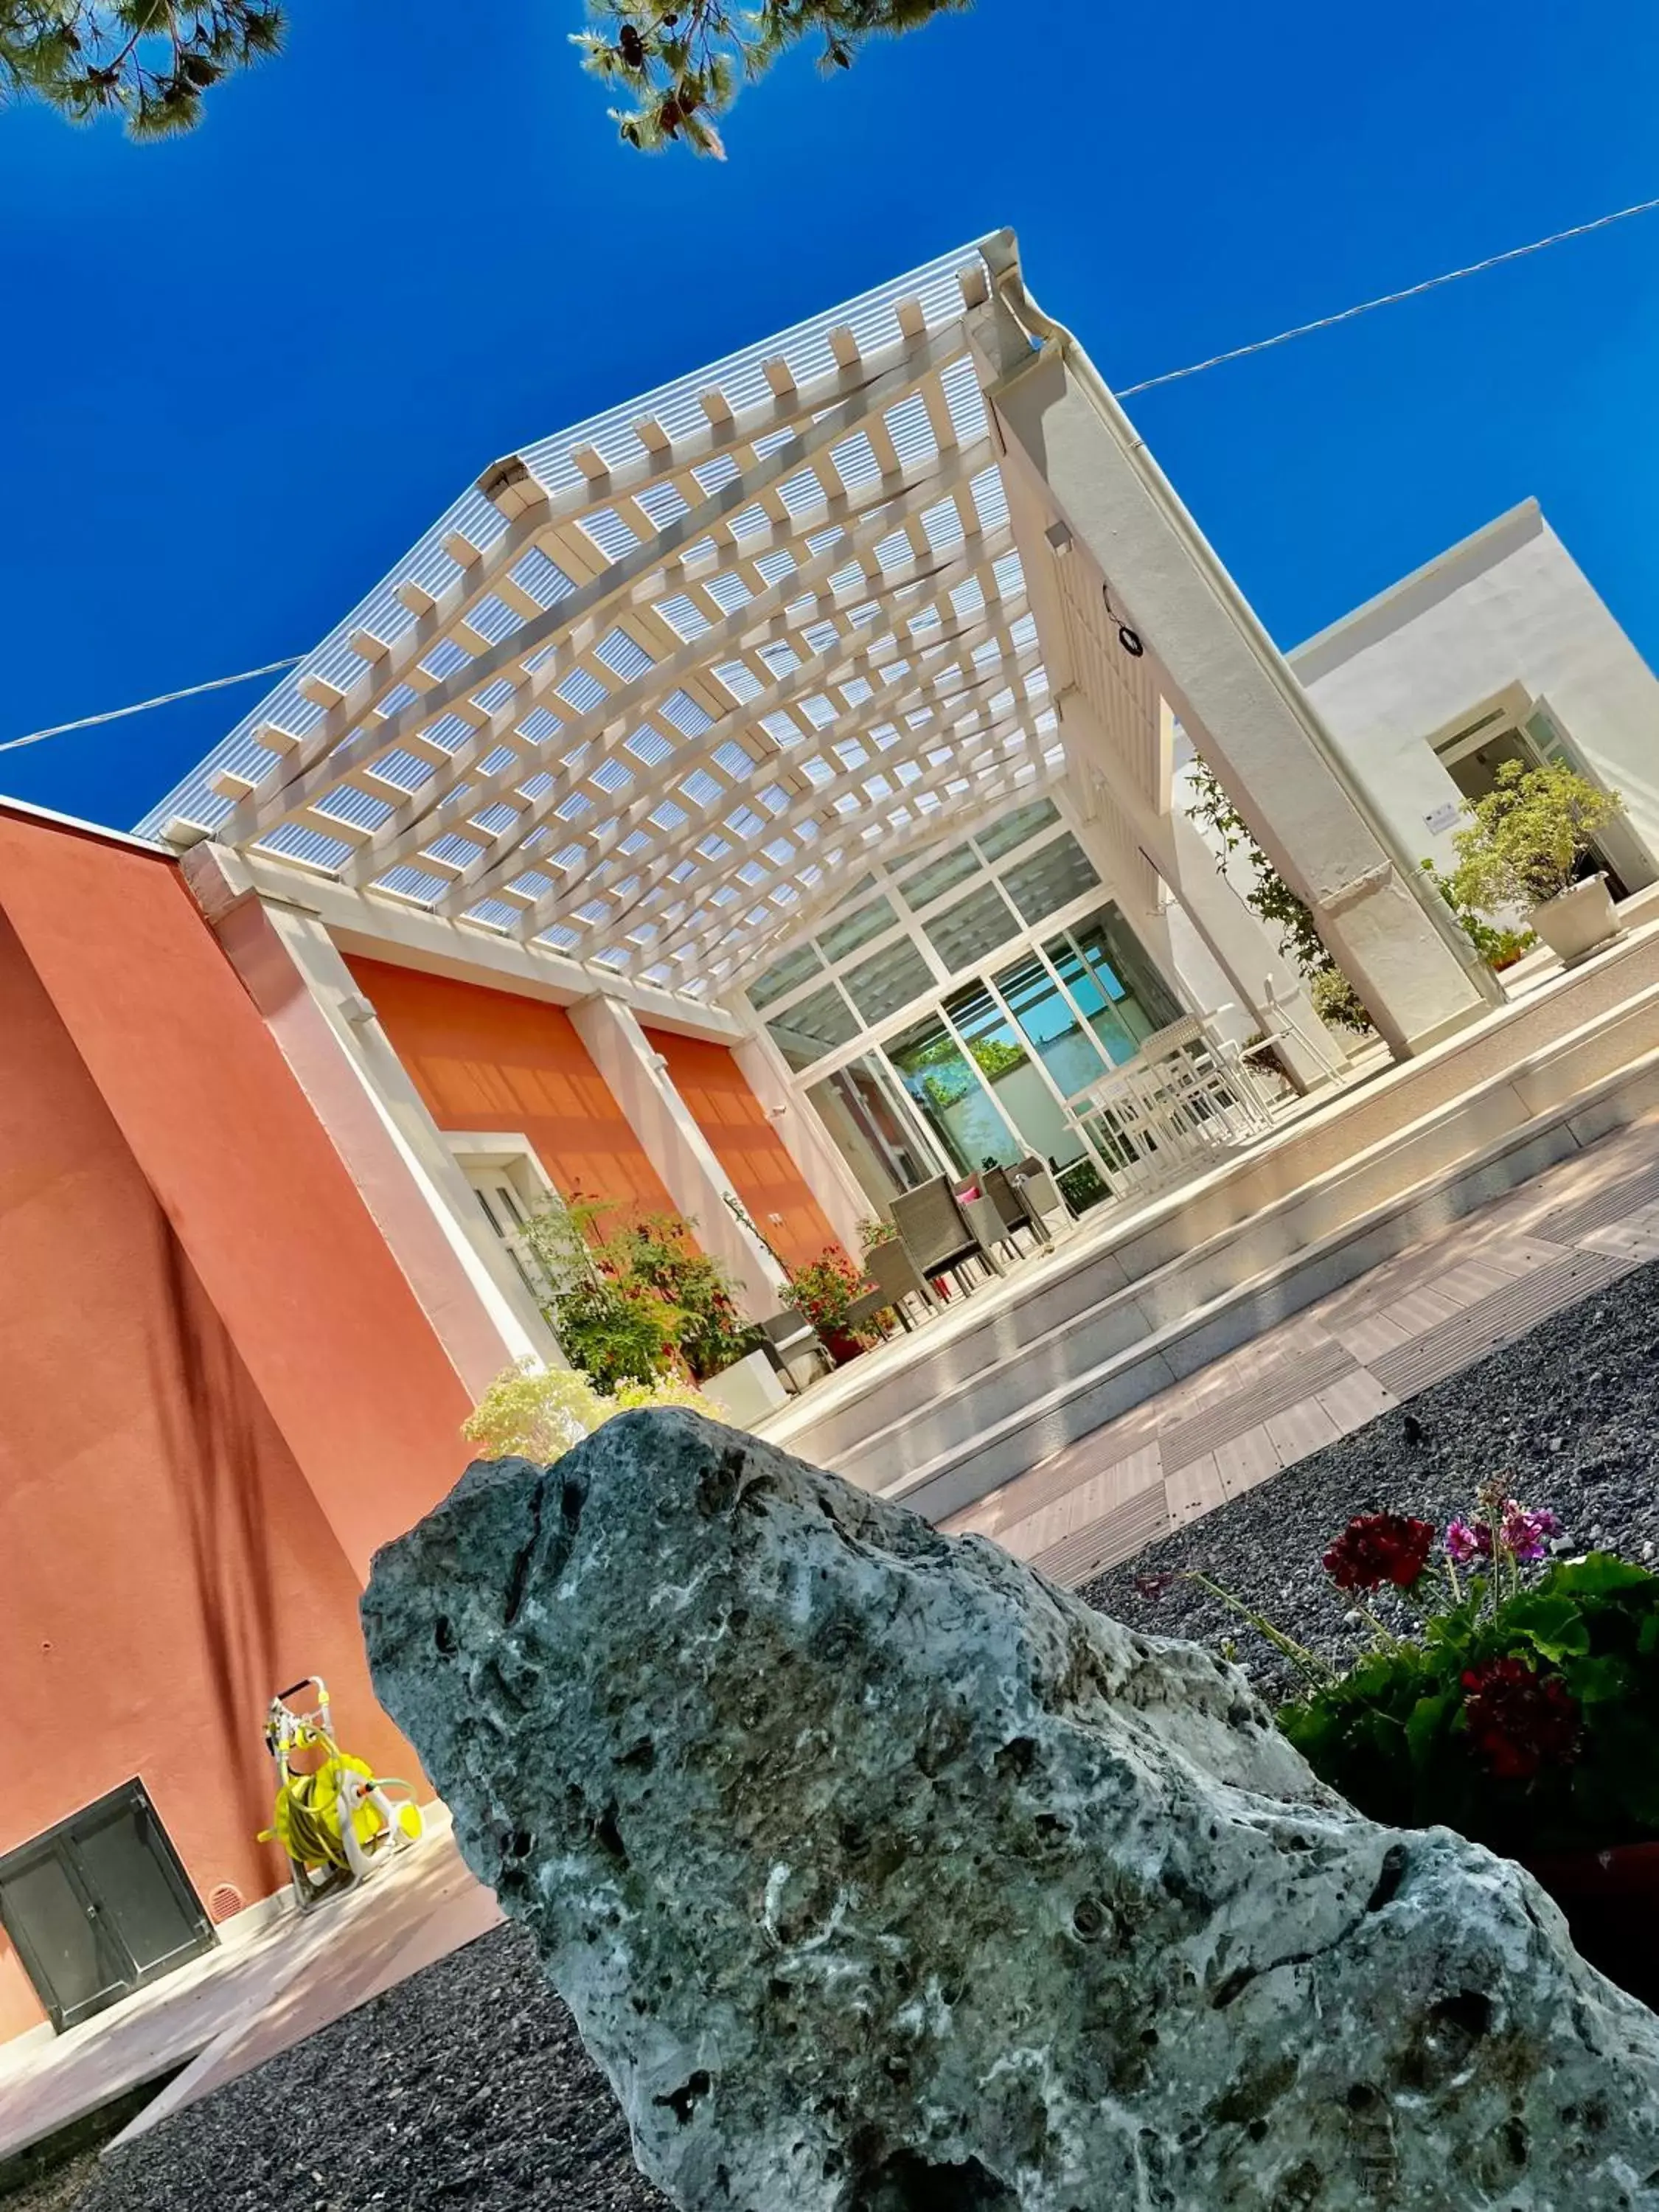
x=881 y=1877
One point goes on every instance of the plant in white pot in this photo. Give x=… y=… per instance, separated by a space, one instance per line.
x=1524 y=848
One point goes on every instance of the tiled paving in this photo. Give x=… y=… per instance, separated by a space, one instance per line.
x=246 y=2000
x=1426 y=1313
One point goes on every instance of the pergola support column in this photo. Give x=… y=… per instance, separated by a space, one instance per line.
x=362 y=1096
x=1067 y=440
x=637 y=1078
x=804 y=1138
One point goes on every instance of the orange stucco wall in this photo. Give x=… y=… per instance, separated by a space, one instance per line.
x=219 y=1392
x=164 y=1566
x=489 y=1060
x=261 y=1202
x=747 y=1146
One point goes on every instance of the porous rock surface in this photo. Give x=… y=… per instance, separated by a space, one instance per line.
x=882 y=1877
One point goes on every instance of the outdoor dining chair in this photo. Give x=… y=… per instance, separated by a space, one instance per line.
x=1018 y=1210
x=1035 y=1180
x=789 y=1341
x=897 y=1278
x=938 y=1234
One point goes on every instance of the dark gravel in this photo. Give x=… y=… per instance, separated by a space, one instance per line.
x=466 y=2087
x=1572 y=1408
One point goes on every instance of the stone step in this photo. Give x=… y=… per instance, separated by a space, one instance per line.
x=1087 y=1336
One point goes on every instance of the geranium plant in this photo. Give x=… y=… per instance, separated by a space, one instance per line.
x=1522 y=1708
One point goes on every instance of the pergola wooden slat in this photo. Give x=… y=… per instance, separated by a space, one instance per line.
x=648 y=693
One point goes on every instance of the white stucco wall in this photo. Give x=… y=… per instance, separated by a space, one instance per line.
x=1509 y=606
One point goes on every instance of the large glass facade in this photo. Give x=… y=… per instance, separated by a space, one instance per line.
x=1001 y=1034
x=1002 y=1067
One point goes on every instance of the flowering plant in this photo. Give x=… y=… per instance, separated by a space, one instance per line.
x=825 y=1288
x=1522 y=1707
x=531 y=1411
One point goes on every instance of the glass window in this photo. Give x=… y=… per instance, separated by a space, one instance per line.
x=1122 y=995
x=844 y=936
x=889 y=980
x=1051 y=1026
x=999 y=1054
x=972 y=926
x=939 y=876
x=783 y=976
x=954 y=1103
x=1051 y=878
x=866 y=1111
x=816 y=1026
x=1014 y=828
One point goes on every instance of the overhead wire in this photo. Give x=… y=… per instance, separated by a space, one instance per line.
x=1387 y=299
x=1123 y=392
x=143 y=706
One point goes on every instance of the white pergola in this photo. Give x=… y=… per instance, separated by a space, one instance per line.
x=649 y=694
x=648 y=699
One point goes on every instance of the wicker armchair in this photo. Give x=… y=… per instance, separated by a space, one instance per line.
x=897 y=1278
x=938 y=1234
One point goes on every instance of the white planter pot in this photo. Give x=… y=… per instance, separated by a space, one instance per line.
x=747 y=1393
x=1576 y=922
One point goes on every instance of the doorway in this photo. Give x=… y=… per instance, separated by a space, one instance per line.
x=1527 y=731
x=100 y=1906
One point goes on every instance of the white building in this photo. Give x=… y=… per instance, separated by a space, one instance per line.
x=1499 y=650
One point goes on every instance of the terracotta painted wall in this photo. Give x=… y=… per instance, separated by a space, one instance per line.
x=489 y=1060
x=261 y=1203
x=164 y=1563
x=746 y=1145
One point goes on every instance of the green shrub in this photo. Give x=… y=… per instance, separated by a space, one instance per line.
x=538 y=1413
x=1528 y=837
x=636 y=1299
x=1336 y=1002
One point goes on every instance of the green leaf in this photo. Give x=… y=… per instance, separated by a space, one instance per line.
x=1647 y=1641
x=1550 y=1621
x=1429 y=1720
x=1596 y=1682
x=1600 y=1575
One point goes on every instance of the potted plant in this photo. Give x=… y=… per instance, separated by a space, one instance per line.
x=630 y=1303
x=1499 y=947
x=1520 y=1708
x=824 y=1290
x=1528 y=840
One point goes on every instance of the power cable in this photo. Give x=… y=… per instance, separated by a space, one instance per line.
x=1387 y=300
x=143 y=706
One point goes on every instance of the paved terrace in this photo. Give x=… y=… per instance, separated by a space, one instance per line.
x=1435 y=1308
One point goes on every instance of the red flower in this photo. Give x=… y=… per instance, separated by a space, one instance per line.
x=1520 y=1719
x=1379 y=1548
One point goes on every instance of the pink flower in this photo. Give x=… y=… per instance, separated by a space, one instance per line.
x=1466 y=1544
x=1525 y=1531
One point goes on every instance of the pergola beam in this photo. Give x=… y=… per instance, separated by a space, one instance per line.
x=931 y=694
x=361 y=734
x=851 y=828
x=792 y=605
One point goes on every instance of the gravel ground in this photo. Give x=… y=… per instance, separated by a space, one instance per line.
x=468 y=2086
x=464 y=2086
x=1572 y=1408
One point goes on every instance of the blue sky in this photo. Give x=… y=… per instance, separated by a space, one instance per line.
x=244 y=371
